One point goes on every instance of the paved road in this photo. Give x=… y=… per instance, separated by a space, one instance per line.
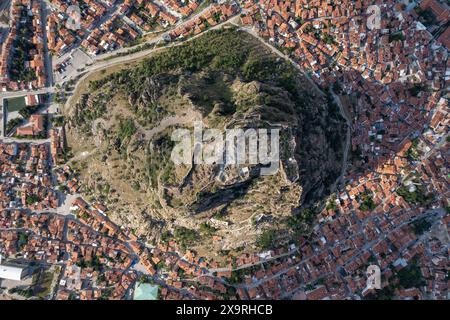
x=100 y=62
x=439 y=213
x=45 y=11
x=153 y=40
x=109 y=13
x=245 y=266
x=15 y=140
x=4 y=29
x=4 y=4
x=15 y=94
x=104 y=64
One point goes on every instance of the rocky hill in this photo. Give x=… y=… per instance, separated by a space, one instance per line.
x=120 y=133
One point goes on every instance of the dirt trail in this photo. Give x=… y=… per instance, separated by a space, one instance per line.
x=170 y=121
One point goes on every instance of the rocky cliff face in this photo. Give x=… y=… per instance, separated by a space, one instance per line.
x=141 y=108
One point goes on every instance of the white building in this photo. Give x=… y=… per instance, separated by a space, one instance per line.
x=12 y=273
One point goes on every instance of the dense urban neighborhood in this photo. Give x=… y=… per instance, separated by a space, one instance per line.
x=381 y=66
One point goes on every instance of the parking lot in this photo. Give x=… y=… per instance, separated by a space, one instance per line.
x=68 y=67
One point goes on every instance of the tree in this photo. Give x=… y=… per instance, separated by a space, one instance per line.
x=31 y=199
x=411 y=276
x=367 y=202
x=207 y=230
x=185 y=236
x=420 y=226
x=266 y=239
